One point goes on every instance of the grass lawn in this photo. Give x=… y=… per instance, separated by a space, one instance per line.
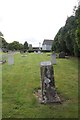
x=20 y=80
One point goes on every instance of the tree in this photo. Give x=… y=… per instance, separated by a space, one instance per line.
x=68 y=37
x=4 y=43
x=26 y=46
x=77 y=33
x=1 y=34
x=15 y=45
x=21 y=46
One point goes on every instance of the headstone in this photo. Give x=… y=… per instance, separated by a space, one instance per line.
x=23 y=53
x=61 y=55
x=48 y=91
x=10 y=59
x=3 y=58
x=53 y=58
x=39 y=52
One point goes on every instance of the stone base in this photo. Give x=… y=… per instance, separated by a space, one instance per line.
x=56 y=98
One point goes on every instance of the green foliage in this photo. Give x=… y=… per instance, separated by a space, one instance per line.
x=0 y=42
x=78 y=30
x=68 y=37
x=3 y=43
x=15 y=46
x=26 y=46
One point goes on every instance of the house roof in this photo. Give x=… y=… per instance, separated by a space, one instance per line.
x=47 y=42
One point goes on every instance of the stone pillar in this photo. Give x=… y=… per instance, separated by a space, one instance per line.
x=47 y=80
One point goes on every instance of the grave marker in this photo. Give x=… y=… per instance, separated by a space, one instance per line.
x=48 y=91
x=61 y=55
x=3 y=58
x=53 y=58
x=10 y=59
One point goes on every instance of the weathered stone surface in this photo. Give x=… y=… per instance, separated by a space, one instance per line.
x=53 y=58
x=48 y=91
x=61 y=55
x=10 y=59
x=3 y=58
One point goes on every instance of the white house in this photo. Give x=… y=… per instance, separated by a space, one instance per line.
x=78 y=2
x=47 y=44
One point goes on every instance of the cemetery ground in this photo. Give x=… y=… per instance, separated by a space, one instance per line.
x=21 y=79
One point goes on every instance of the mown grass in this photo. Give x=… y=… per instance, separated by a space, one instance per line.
x=0 y=91
x=20 y=80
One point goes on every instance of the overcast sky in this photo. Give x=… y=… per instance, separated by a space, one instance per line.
x=33 y=20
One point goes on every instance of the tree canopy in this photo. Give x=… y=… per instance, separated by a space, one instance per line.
x=25 y=45
x=68 y=37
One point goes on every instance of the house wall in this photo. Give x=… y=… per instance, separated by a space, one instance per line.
x=46 y=47
x=43 y=47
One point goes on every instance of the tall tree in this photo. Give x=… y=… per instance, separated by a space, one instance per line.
x=15 y=45
x=3 y=43
x=1 y=34
x=77 y=42
x=26 y=45
x=68 y=37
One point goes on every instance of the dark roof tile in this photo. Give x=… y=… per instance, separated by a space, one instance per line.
x=47 y=42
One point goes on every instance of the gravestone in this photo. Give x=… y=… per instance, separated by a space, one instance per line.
x=48 y=91
x=10 y=59
x=53 y=58
x=23 y=53
x=39 y=52
x=3 y=58
x=61 y=55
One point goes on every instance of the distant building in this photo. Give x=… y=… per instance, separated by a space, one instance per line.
x=78 y=3
x=47 y=44
x=36 y=49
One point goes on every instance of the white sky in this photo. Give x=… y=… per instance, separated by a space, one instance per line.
x=33 y=20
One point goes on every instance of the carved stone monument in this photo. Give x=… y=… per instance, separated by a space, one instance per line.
x=48 y=91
